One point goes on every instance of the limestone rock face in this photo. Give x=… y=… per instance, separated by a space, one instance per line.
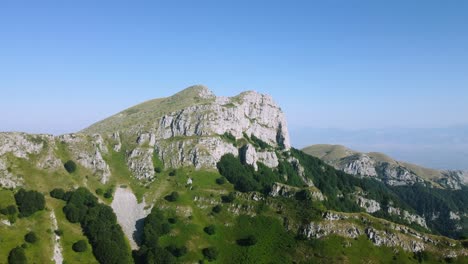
x=191 y=128
x=371 y=206
x=360 y=165
x=250 y=156
x=21 y=145
x=87 y=151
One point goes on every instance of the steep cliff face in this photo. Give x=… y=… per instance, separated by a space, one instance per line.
x=191 y=128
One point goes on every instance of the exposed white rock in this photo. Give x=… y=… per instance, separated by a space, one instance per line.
x=21 y=145
x=129 y=214
x=284 y=190
x=360 y=164
x=250 y=156
x=8 y=179
x=454 y=215
x=140 y=163
x=87 y=152
x=201 y=152
x=371 y=206
x=116 y=137
x=57 y=257
x=300 y=171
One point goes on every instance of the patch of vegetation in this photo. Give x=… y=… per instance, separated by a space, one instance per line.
x=80 y=246
x=17 y=256
x=210 y=230
x=229 y=138
x=9 y=210
x=31 y=237
x=155 y=225
x=173 y=197
x=70 y=166
x=248 y=241
x=217 y=209
x=29 y=202
x=210 y=253
x=57 y=193
x=228 y=198
x=220 y=180
x=99 y=224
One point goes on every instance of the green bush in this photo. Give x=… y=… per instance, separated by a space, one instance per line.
x=9 y=210
x=210 y=253
x=99 y=191
x=70 y=166
x=217 y=209
x=58 y=232
x=247 y=241
x=221 y=180
x=210 y=230
x=157 y=169
x=17 y=256
x=108 y=193
x=228 y=198
x=31 y=237
x=174 y=196
x=172 y=173
x=80 y=246
x=177 y=251
x=29 y=202
x=57 y=193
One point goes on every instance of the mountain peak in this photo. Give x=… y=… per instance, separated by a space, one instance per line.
x=196 y=91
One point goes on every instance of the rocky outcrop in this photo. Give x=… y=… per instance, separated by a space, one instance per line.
x=392 y=235
x=250 y=156
x=454 y=179
x=371 y=206
x=284 y=190
x=87 y=151
x=359 y=164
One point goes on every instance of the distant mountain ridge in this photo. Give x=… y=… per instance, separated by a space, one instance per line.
x=381 y=166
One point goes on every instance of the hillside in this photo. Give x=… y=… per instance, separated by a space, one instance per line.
x=376 y=164
x=199 y=178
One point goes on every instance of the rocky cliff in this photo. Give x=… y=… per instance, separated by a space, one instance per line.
x=190 y=128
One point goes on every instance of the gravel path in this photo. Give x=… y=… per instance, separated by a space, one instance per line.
x=58 y=258
x=129 y=212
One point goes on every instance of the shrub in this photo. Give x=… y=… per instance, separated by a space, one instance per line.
x=80 y=246
x=172 y=173
x=58 y=232
x=221 y=180
x=247 y=241
x=177 y=251
x=17 y=256
x=210 y=230
x=57 y=193
x=9 y=210
x=174 y=196
x=210 y=253
x=29 y=202
x=172 y=220
x=70 y=166
x=157 y=169
x=228 y=198
x=108 y=193
x=99 y=191
x=217 y=209
x=31 y=237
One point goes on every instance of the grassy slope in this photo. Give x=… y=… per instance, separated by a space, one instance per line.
x=148 y=111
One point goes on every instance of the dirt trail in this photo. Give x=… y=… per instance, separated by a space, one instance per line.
x=58 y=257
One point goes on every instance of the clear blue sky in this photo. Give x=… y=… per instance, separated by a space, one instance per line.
x=341 y=64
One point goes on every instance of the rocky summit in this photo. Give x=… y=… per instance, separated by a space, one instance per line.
x=195 y=177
